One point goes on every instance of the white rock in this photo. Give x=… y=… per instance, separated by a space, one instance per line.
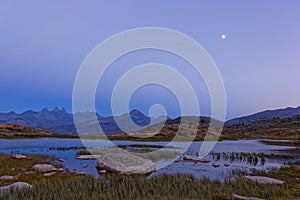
x=7 y=178
x=28 y=173
x=60 y=169
x=102 y=171
x=19 y=156
x=49 y=174
x=17 y=186
x=239 y=197
x=80 y=172
x=44 y=168
x=264 y=180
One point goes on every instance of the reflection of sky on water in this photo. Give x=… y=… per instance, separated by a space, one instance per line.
x=44 y=145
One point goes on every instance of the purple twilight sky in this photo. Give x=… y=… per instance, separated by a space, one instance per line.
x=43 y=43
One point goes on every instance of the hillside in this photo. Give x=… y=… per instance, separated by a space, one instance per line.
x=277 y=128
x=265 y=115
x=19 y=130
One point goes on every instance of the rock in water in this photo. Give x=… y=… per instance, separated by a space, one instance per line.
x=215 y=165
x=44 y=168
x=196 y=159
x=125 y=163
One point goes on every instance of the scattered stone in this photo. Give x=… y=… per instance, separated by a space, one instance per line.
x=44 y=168
x=79 y=172
x=102 y=171
x=12 y=169
x=215 y=165
x=264 y=180
x=49 y=174
x=23 y=169
x=17 y=186
x=85 y=165
x=29 y=173
x=60 y=160
x=125 y=163
x=196 y=159
x=226 y=165
x=19 y=156
x=7 y=178
x=60 y=169
x=239 y=197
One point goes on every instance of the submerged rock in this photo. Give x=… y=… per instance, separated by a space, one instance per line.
x=264 y=180
x=88 y=157
x=196 y=159
x=125 y=163
x=215 y=165
x=44 y=168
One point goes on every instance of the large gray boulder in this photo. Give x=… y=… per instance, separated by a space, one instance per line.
x=125 y=163
x=44 y=168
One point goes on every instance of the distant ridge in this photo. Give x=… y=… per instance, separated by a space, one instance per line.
x=265 y=115
x=61 y=122
x=41 y=119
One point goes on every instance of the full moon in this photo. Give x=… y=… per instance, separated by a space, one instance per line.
x=223 y=36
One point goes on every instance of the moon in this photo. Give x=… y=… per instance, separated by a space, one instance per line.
x=223 y=36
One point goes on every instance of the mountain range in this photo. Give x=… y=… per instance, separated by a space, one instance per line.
x=265 y=115
x=59 y=121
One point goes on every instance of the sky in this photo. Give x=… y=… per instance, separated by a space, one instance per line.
x=43 y=44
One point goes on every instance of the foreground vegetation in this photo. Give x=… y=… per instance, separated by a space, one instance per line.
x=161 y=187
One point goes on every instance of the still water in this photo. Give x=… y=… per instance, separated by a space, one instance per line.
x=50 y=146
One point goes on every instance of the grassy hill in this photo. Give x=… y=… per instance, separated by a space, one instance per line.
x=7 y=130
x=277 y=128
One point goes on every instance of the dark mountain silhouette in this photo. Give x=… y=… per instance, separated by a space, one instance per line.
x=265 y=115
x=61 y=122
x=42 y=119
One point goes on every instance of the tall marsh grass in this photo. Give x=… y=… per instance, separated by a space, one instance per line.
x=141 y=187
